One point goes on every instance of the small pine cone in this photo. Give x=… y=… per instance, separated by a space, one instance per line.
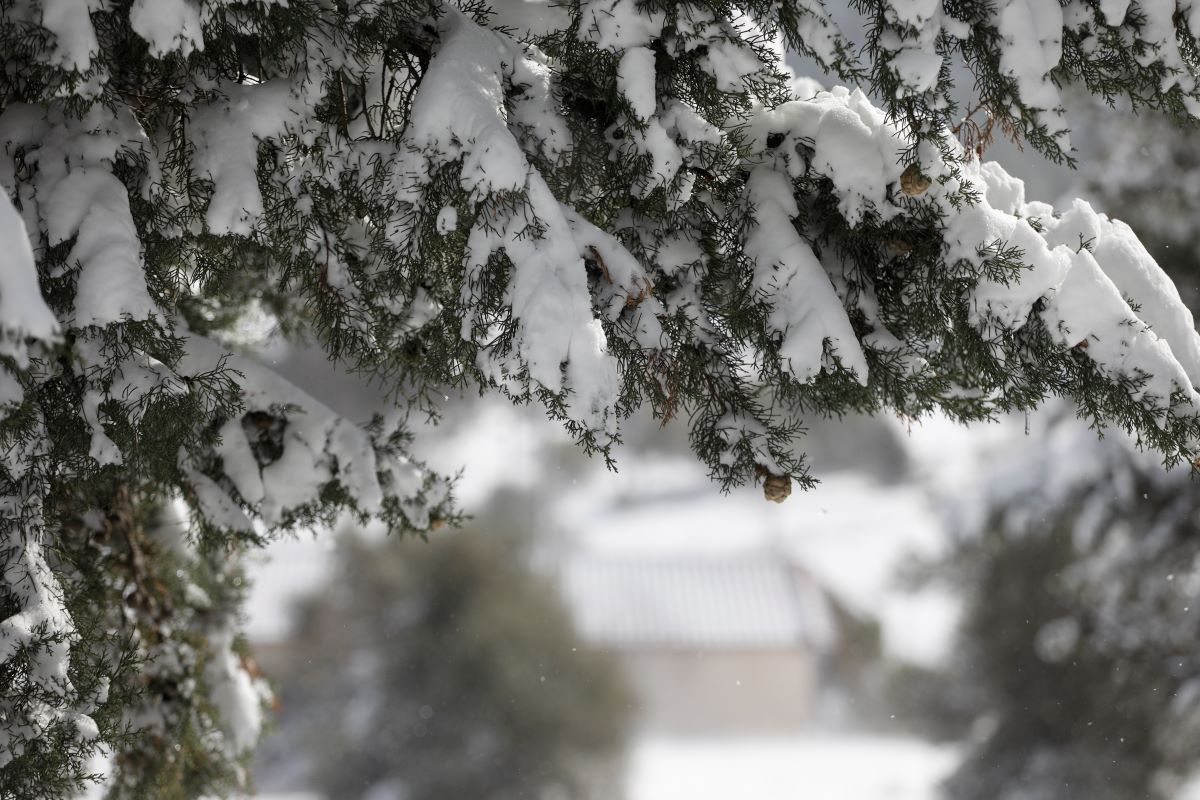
x=777 y=488
x=913 y=182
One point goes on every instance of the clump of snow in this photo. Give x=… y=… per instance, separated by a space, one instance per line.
x=28 y=574
x=534 y=109
x=666 y=159
x=102 y=448
x=167 y=25
x=447 y=220
x=234 y=695
x=1087 y=268
x=23 y=312
x=1032 y=32
x=845 y=150
x=41 y=628
x=625 y=284
x=635 y=79
x=1002 y=191
x=458 y=111
x=548 y=289
x=318 y=446
x=807 y=311
x=729 y=59
x=214 y=504
x=74 y=37
x=852 y=143
x=1007 y=303
x=619 y=25
x=226 y=133
x=76 y=196
x=1135 y=275
x=918 y=70
x=1084 y=266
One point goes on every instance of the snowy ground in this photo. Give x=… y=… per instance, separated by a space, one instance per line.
x=794 y=768
x=803 y=768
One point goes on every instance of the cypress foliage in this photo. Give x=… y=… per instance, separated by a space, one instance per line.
x=635 y=205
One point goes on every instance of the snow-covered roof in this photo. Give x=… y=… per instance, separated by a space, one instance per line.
x=739 y=602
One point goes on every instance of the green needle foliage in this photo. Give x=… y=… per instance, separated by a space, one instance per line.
x=634 y=204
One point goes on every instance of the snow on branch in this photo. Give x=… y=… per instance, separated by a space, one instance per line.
x=285 y=448
x=636 y=205
x=23 y=311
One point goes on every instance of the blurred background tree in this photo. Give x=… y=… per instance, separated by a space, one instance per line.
x=1078 y=640
x=447 y=669
x=1079 y=560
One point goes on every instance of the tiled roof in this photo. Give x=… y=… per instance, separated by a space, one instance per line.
x=732 y=602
